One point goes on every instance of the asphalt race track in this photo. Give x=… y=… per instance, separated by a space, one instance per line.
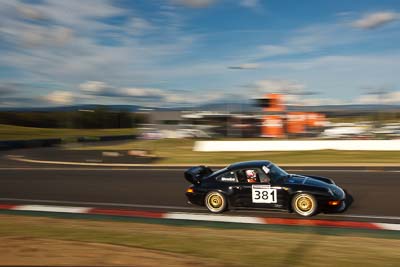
x=375 y=192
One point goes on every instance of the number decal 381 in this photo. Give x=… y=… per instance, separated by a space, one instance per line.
x=263 y=194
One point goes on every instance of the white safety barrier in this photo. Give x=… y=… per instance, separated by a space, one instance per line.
x=297 y=145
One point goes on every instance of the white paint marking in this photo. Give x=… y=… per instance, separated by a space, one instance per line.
x=365 y=216
x=77 y=163
x=186 y=208
x=297 y=145
x=389 y=226
x=101 y=204
x=194 y=164
x=213 y=218
x=52 y=208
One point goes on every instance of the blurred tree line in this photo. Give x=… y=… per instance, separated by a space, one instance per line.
x=99 y=118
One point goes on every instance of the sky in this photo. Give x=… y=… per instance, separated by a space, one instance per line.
x=190 y=52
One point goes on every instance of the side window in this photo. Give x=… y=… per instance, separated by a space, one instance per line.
x=253 y=175
x=265 y=175
x=227 y=177
x=250 y=175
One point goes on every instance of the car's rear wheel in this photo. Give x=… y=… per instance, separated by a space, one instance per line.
x=215 y=202
x=304 y=204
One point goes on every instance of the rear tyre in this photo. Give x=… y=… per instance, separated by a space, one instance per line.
x=304 y=204
x=215 y=202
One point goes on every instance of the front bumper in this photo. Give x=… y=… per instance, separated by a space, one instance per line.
x=332 y=205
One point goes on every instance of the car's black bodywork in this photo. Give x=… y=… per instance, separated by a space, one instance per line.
x=238 y=193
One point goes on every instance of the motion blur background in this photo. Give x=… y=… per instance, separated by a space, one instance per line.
x=94 y=91
x=202 y=68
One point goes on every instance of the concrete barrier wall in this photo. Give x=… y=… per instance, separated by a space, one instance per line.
x=297 y=145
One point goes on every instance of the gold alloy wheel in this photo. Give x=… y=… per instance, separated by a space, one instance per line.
x=215 y=202
x=304 y=204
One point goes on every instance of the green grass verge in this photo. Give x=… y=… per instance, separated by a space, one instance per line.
x=174 y=151
x=11 y=132
x=222 y=247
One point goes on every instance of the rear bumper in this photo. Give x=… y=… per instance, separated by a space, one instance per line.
x=195 y=198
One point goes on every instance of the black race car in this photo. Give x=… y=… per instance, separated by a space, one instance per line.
x=262 y=184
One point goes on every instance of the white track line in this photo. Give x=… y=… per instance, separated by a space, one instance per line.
x=212 y=218
x=207 y=217
x=184 y=208
x=177 y=165
x=100 y=204
x=365 y=216
x=52 y=208
x=389 y=226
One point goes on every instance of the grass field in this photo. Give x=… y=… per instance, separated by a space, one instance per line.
x=10 y=132
x=49 y=241
x=181 y=151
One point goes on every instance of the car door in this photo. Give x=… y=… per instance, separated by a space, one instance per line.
x=270 y=196
x=241 y=191
x=234 y=189
x=264 y=193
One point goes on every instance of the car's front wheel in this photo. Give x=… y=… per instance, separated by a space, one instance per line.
x=215 y=202
x=304 y=204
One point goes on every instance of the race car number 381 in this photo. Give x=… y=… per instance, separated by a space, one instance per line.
x=263 y=194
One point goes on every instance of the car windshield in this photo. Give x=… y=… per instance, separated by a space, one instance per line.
x=276 y=173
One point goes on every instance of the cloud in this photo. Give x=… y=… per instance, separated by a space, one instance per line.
x=30 y=12
x=156 y=96
x=245 y=66
x=296 y=100
x=391 y=98
x=60 y=97
x=306 y=40
x=140 y=26
x=250 y=3
x=132 y=51
x=21 y=102
x=7 y=89
x=141 y=92
x=195 y=3
x=99 y=88
x=279 y=86
x=375 y=20
x=276 y=50
x=94 y=87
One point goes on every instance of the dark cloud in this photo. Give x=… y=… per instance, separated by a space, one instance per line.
x=8 y=89
x=21 y=102
x=246 y=66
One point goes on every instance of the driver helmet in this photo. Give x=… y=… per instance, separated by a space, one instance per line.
x=251 y=176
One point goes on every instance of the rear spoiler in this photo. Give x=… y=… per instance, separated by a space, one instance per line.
x=194 y=175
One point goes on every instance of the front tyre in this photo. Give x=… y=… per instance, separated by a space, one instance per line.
x=215 y=202
x=304 y=204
